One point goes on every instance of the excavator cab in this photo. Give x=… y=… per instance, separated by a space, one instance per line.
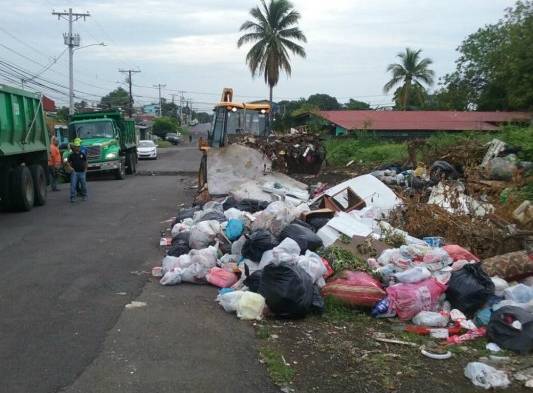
x=235 y=118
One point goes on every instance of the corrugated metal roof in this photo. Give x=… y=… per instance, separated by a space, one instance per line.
x=422 y=120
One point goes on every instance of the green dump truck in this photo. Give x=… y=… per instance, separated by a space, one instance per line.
x=24 y=143
x=109 y=140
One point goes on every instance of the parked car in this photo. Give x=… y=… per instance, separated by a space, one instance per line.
x=147 y=149
x=175 y=139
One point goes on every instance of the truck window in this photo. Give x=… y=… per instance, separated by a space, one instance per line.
x=92 y=130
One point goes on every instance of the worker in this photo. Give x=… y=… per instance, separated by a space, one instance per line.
x=190 y=138
x=54 y=163
x=77 y=162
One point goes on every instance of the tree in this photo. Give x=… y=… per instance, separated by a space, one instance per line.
x=355 y=105
x=411 y=71
x=118 y=98
x=495 y=64
x=169 y=109
x=163 y=125
x=81 y=106
x=63 y=114
x=324 y=102
x=273 y=31
x=204 y=117
x=416 y=100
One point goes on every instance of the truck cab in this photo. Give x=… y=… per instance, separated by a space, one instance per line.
x=109 y=141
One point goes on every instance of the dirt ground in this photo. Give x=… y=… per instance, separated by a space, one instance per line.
x=337 y=352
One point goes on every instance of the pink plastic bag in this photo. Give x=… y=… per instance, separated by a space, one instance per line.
x=409 y=299
x=458 y=253
x=221 y=278
x=355 y=288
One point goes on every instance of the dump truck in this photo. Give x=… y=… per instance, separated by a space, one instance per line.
x=109 y=140
x=24 y=144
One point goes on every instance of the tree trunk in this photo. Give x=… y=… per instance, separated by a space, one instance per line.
x=270 y=115
x=406 y=94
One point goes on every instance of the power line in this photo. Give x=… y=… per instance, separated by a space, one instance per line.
x=130 y=106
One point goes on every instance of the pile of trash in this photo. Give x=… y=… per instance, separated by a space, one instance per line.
x=265 y=258
x=289 y=153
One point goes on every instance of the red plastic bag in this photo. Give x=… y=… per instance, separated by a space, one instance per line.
x=329 y=269
x=458 y=253
x=409 y=299
x=355 y=289
x=221 y=278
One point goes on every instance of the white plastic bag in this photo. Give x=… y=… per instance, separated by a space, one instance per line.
x=287 y=251
x=486 y=376
x=229 y=300
x=169 y=263
x=250 y=306
x=234 y=214
x=413 y=275
x=172 y=277
x=519 y=293
x=500 y=285
x=178 y=228
x=313 y=265
x=203 y=234
x=431 y=319
x=275 y=217
x=236 y=247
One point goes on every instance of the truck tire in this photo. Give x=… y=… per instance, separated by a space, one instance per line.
x=120 y=173
x=39 y=183
x=22 y=191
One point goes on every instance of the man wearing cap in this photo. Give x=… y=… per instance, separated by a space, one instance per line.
x=77 y=162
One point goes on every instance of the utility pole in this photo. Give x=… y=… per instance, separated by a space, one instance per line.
x=130 y=106
x=71 y=40
x=159 y=86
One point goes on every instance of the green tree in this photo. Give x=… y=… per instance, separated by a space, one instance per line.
x=163 y=125
x=169 y=109
x=204 y=117
x=418 y=97
x=63 y=114
x=411 y=71
x=495 y=64
x=273 y=31
x=118 y=98
x=324 y=102
x=355 y=105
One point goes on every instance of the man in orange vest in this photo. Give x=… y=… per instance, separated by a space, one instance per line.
x=54 y=163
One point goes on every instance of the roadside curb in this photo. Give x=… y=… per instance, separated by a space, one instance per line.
x=166 y=173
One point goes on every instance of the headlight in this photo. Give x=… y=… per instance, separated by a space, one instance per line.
x=110 y=156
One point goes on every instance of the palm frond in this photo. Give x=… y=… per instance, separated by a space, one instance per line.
x=293 y=47
x=250 y=37
x=293 y=32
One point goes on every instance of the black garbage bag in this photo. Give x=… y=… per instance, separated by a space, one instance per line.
x=257 y=243
x=469 y=288
x=186 y=213
x=180 y=244
x=500 y=331
x=246 y=205
x=305 y=237
x=213 y=215
x=304 y=224
x=253 y=281
x=317 y=305
x=318 y=222
x=287 y=289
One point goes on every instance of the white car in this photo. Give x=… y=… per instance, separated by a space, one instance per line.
x=147 y=149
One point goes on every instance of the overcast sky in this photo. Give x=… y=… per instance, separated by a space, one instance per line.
x=191 y=45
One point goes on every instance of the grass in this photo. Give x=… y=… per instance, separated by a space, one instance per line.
x=341 y=259
x=163 y=144
x=278 y=370
x=373 y=150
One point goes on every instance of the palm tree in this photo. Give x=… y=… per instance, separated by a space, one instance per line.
x=273 y=30
x=411 y=71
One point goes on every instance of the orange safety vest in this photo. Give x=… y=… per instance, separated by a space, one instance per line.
x=55 y=156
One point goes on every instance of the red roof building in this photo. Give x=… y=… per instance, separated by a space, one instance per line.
x=421 y=121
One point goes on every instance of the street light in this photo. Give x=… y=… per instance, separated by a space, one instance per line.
x=86 y=46
x=71 y=68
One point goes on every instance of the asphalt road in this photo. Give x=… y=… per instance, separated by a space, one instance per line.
x=174 y=160
x=69 y=270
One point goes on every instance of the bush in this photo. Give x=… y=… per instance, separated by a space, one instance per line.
x=163 y=125
x=340 y=151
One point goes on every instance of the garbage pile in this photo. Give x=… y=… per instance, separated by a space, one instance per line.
x=418 y=260
x=290 y=153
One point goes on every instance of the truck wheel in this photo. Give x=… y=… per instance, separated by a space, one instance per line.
x=39 y=183
x=22 y=191
x=120 y=173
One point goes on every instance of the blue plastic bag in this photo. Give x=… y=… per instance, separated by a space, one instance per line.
x=234 y=229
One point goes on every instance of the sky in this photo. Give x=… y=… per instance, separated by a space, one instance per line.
x=191 y=46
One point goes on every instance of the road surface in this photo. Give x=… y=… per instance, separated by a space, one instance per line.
x=69 y=270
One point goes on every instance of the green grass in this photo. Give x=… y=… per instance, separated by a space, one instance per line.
x=340 y=151
x=262 y=332
x=341 y=259
x=280 y=373
x=163 y=144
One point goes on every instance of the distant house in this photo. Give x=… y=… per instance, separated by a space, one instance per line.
x=403 y=124
x=151 y=109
